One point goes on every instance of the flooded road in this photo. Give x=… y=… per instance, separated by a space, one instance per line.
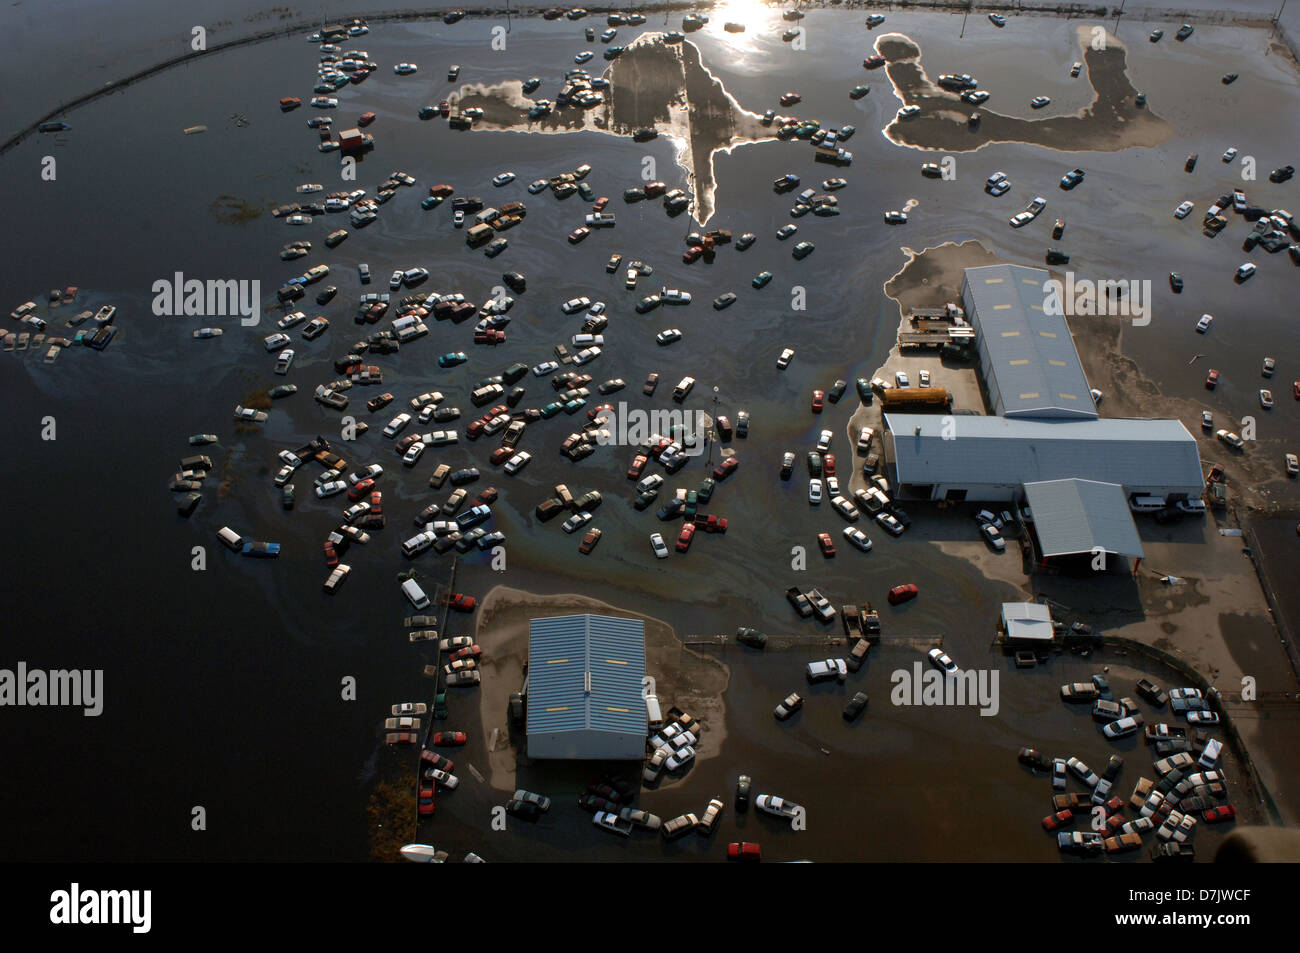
x=224 y=687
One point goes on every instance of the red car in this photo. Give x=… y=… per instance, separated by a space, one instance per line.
x=449 y=739
x=726 y=468
x=436 y=760
x=1052 y=821
x=711 y=524
x=589 y=541
x=360 y=489
x=600 y=203
x=1224 y=812
x=578 y=234
x=289 y=102
x=469 y=651
x=638 y=465
x=365 y=119
x=444 y=107
x=828 y=464
x=692 y=253
x=500 y=455
x=903 y=593
x=331 y=555
x=426 y=801
x=475 y=429
x=441 y=190
x=460 y=602
x=684 y=538
x=1295 y=389
x=376 y=503
x=828 y=547
x=1216 y=473
x=1212 y=379
x=487 y=497
x=818 y=401
x=744 y=851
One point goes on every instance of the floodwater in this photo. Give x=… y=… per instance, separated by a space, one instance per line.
x=223 y=686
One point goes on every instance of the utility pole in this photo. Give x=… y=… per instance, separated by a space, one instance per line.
x=1276 y=18
x=713 y=422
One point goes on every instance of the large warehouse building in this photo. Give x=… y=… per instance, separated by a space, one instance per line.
x=1027 y=357
x=585 y=676
x=1045 y=445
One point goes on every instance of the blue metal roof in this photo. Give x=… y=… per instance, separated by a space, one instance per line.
x=585 y=674
x=1028 y=354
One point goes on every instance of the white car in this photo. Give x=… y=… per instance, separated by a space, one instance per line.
x=814 y=491
x=504 y=178
x=1245 y=271
x=574 y=305
x=994 y=179
x=824 y=441
x=518 y=462
x=1038 y=102
x=1020 y=219
x=1230 y=154
x=857 y=538
x=923 y=378
x=993 y=536
x=412 y=455
x=685 y=755
x=1121 y=728
x=783 y=361
x=583 y=56
x=372 y=472
x=546 y=367
x=577 y=520
x=330 y=488
x=1203 y=325
x=405 y=69
x=397 y=425
x=660 y=550
x=891 y=525
x=771 y=804
x=907 y=112
x=900 y=379
x=829 y=668
x=668 y=336
x=940 y=660
x=1183 y=210
x=275 y=342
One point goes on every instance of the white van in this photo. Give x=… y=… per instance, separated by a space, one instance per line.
x=230 y=537
x=1146 y=504
x=654 y=716
x=411 y=589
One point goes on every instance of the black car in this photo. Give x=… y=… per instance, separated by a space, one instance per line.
x=1176 y=282
x=814 y=463
x=327 y=295
x=524 y=810
x=855 y=706
x=743 y=784
x=1152 y=693
x=1282 y=174
x=464 y=475
x=864 y=390
x=1057 y=257
x=515 y=281
x=724 y=300
x=836 y=391
x=751 y=637
x=516 y=708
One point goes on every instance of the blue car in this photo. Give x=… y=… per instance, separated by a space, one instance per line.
x=252 y=548
x=452 y=359
x=762 y=278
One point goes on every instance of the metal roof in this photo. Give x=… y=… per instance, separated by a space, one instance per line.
x=1082 y=516
x=585 y=674
x=1027 y=621
x=1029 y=354
x=969 y=450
